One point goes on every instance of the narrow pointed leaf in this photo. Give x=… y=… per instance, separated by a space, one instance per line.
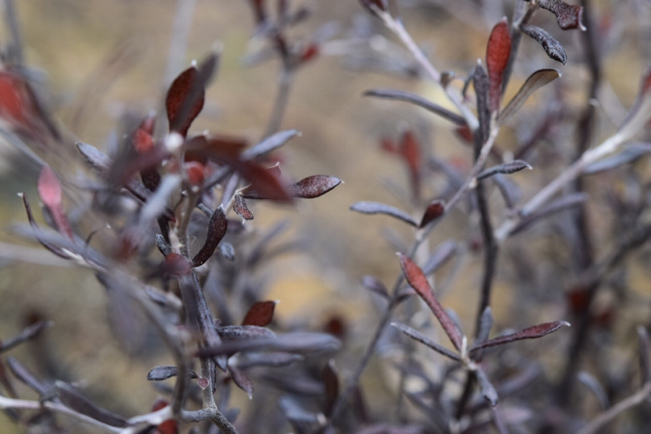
x=645 y=347
x=49 y=190
x=399 y=95
x=290 y=342
x=372 y=208
x=260 y=314
x=534 y=332
x=595 y=387
x=562 y=204
x=435 y=209
x=418 y=336
x=162 y=245
x=498 y=52
x=27 y=334
x=552 y=47
x=485 y=325
x=568 y=17
x=441 y=255
x=505 y=168
x=331 y=385
x=93 y=156
x=629 y=155
x=23 y=374
x=418 y=281
x=240 y=208
x=487 y=389
x=482 y=88
x=277 y=359
x=373 y=284
x=269 y=144
x=535 y=81
x=640 y=113
x=313 y=186
x=241 y=381
x=75 y=400
x=217 y=226
x=37 y=232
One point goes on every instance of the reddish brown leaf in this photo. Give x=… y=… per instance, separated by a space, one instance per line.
x=184 y=87
x=568 y=17
x=418 y=281
x=410 y=151
x=498 y=52
x=217 y=226
x=260 y=314
x=169 y=426
x=240 y=208
x=313 y=186
x=195 y=171
x=49 y=189
x=175 y=265
x=265 y=184
x=534 y=332
x=142 y=139
x=219 y=148
x=435 y=209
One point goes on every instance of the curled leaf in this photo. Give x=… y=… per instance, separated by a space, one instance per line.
x=217 y=226
x=372 y=208
x=435 y=209
x=160 y=373
x=568 y=17
x=240 y=208
x=505 y=168
x=535 y=81
x=418 y=281
x=552 y=47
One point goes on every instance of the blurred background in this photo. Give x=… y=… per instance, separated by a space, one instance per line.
x=99 y=61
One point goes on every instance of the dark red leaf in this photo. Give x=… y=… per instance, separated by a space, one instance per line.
x=170 y=426
x=49 y=189
x=195 y=171
x=568 y=17
x=313 y=186
x=217 y=226
x=184 y=88
x=330 y=384
x=410 y=151
x=175 y=265
x=240 y=208
x=142 y=139
x=265 y=184
x=498 y=52
x=435 y=209
x=260 y=314
x=534 y=332
x=220 y=148
x=418 y=281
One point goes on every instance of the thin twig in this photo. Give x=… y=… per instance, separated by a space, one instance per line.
x=636 y=399
x=16 y=46
x=280 y=103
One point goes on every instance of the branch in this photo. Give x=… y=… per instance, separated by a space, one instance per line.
x=638 y=398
